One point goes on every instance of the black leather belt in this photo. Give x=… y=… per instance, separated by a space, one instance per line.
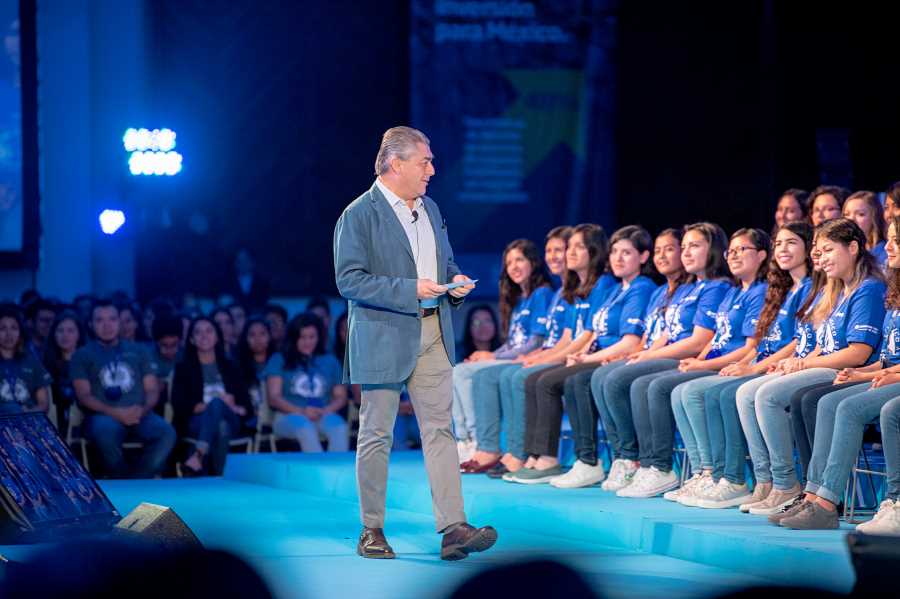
x=425 y=312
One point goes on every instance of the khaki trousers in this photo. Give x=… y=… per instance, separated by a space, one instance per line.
x=430 y=388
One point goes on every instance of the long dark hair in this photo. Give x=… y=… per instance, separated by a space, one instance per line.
x=761 y=242
x=594 y=238
x=140 y=334
x=838 y=193
x=12 y=311
x=716 y=266
x=292 y=356
x=191 y=356
x=468 y=342
x=877 y=233
x=640 y=240
x=892 y=299
x=683 y=276
x=53 y=355
x=510 y=293
x=780 y=281
x=244 y=353
x=845 y=232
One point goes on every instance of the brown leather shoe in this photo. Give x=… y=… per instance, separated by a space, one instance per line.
x=467 y=539
x=373 y=545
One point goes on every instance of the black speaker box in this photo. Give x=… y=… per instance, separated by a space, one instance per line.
x=159 y=525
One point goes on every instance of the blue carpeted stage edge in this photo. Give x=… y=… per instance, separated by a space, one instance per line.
x=294 y=517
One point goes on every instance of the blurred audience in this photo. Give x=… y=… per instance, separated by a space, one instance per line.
x=116 y=385
x=25 y=382
x=209 y=398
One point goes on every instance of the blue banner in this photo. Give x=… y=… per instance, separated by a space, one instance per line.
x=503 y=91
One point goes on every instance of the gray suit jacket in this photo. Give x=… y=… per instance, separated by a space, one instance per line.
x=375 y=271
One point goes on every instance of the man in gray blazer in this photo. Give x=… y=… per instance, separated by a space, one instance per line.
x=393 y=262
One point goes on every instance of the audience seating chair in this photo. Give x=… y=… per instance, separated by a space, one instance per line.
x=865 y=466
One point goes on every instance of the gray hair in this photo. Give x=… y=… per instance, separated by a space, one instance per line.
x=397 y=142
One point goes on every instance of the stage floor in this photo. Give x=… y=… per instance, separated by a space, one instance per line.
x=294 y=517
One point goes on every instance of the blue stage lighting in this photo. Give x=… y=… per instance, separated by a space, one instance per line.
x=111 y=221
x=152 y=152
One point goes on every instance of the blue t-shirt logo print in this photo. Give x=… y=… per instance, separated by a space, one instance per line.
x=122 y=377
x=17 y=395
x=310 y=387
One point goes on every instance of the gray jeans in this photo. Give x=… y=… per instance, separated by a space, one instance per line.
x=430 y=391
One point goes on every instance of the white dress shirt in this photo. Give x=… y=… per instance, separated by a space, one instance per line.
x=420 y=233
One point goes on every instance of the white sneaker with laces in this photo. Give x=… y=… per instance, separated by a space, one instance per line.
x=581 y=475
x=703 y=486
x=886 y=521
x=620 y=475
x=651 y=484
x=725 y=494
x=685 y=488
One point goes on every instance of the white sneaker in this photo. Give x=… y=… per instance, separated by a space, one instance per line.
x=886 y=522
x=703 y=486
x=724 y=494
x=581 y=475
x=760 y=492
x=685 y=488
x=776 y=500
x=620 y=475
x=652 y=483
x=466 y=449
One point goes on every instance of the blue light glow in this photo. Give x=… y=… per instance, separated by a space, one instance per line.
x=111 y=221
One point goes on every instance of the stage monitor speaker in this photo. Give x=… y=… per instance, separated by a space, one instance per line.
x=159 y=525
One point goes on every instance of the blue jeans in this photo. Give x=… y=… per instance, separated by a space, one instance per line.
x=769 y=402
x=689 y=408
x=651 y=404
x=615 y=393
x=606 y=417
x=727 y=444
x=890 y=438
x=213 y=429
x=488 y=407
x=512 y=402
x=745 y=401
x=153 y=431
x=306 y=432
x=840 y=420
x=464 y=398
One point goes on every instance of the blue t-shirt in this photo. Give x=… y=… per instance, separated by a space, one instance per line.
x=308 y=385
x=784 y=328
x=558 y=315
x=694 y=304
x=890 y=339
x=586 y=307
x=20 y=379
x=856 y=319
x=880 y=254
x=806 y=332
x=529 y=318
x=736 y=318
x=654 y=318
x=622 y=313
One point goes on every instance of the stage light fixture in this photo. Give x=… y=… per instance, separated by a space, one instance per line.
x=152 y=152
x=111 y=221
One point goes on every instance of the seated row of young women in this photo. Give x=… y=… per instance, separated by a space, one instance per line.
x=740 y=331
